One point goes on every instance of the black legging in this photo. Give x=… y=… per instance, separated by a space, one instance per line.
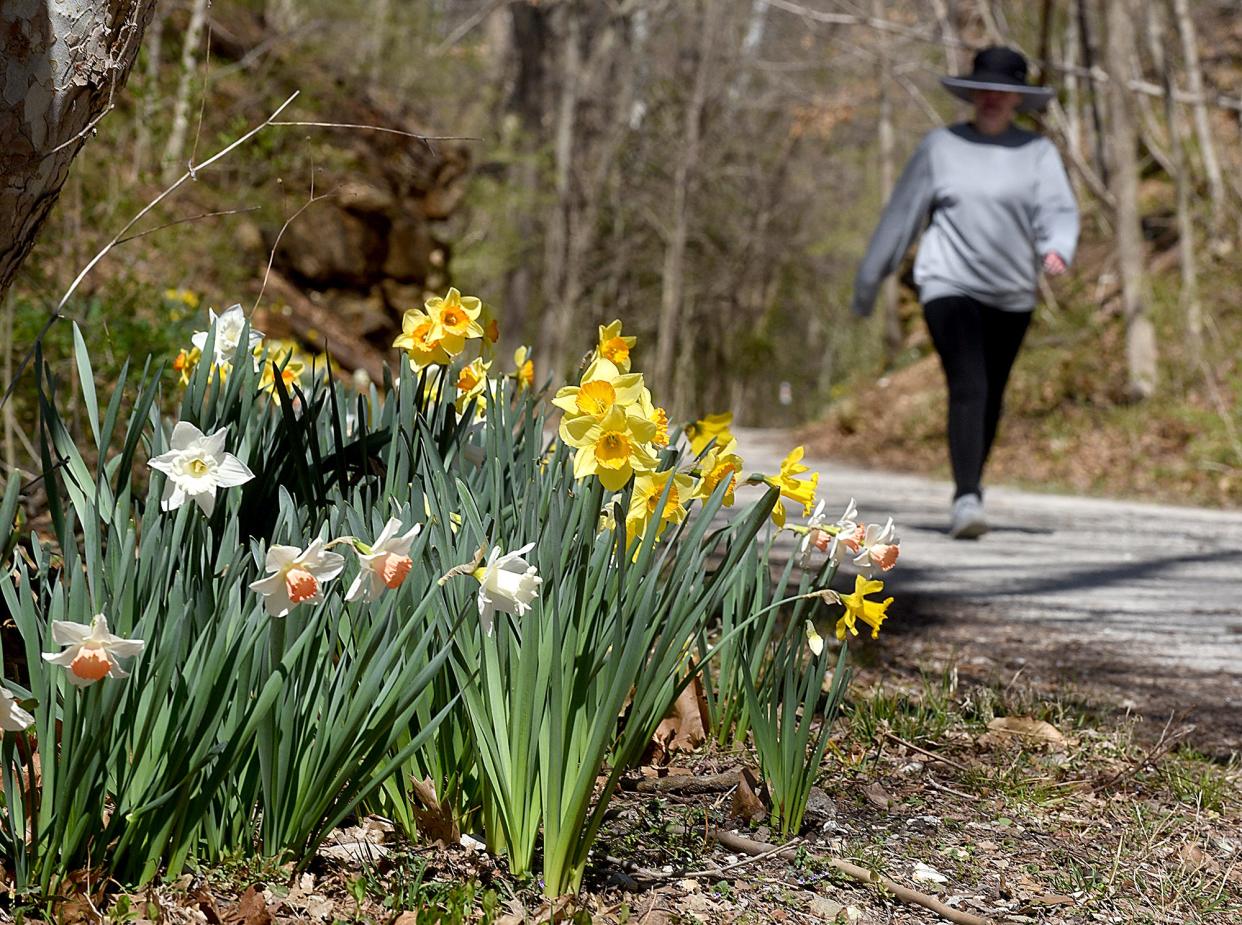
x=977 y=345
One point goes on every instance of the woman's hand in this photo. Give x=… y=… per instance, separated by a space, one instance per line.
x=1053 y=264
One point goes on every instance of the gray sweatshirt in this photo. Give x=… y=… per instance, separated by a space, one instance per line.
x=998 y=204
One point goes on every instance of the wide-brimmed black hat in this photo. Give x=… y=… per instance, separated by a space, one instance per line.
x=999 y=68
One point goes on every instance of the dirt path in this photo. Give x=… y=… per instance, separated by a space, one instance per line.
x=1140 y=601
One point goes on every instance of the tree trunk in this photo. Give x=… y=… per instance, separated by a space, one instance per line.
x=673 y=285
x=1088 y=62
x=175 y=150
x=1140 y=334
x=948 y=35
x=888 y=291
x=529 y=36
x=1192 y=308
x=558 y=312
x=64 y=63
x=1073 y=101
x=1194 y=83
x=150 y=94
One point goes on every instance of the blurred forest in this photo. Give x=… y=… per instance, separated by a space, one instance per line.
x=708 y=171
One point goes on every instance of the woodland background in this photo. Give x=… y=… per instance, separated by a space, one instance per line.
x=707 y=170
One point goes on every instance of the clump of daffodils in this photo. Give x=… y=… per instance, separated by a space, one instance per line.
x=439 y=331
x=609 y=417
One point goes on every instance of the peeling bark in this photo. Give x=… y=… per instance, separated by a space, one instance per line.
x=64 y=63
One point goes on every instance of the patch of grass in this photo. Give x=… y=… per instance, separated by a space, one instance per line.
x=1194 y=779
x=923 y=713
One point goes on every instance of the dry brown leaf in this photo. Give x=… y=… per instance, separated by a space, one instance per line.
x=435 y=822
x=746 y=804
x=684 y=727
x=877 y=796
x=1027 y=729
x=1193 y=858
x=251 y=909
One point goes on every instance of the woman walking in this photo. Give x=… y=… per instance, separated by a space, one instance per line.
x=1000 y=208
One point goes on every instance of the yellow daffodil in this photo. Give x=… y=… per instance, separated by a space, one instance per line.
x=185 y=361
x=419 y=341
x=472 y=384
x=454 y=319
x=525 y=368
x=801 y=491
x=613 y=447
x=283 y=362
x=603 y=388
x=186 y=297
x=613 y=347
x=702 y=432
x=645 y=502
x=656 y=415
x=720 y=464
x=857 y=607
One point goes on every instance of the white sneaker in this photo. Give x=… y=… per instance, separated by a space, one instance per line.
x=967 y=521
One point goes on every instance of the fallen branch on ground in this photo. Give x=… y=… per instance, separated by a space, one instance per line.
x=861 y=874
x=689 y=783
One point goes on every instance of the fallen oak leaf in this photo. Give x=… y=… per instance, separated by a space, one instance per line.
x=1026 y=728
x=435 y=821
x=746 y=803
x=251 y=909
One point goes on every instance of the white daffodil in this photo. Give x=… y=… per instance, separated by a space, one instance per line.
x=12 y=717
x=834 y=541
x=90 y=652
x=814 y=536
x=386 y=564
x=507 y=583
x=848 y=533
x=878 y=547
x=296 y=577
x=814 y=641
x=228 y=326
x=196 y=466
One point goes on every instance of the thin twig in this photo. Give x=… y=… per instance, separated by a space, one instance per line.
x=936 y=785
x=861 y=874
x=922 y=751
x=190 y=174
x=88 y=129
x=271 y=257
x=1163 y=744
x=182 y=221
x=425 y=139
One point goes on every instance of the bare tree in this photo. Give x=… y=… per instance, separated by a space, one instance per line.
x=558 y=296
x=175 y=149
x=65 y=61
x=674 y=281
x=150 y=93
x=888 y=292
x=948 y=34
x=1140 y=334
x=1192 y=308
x=1194 y=82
